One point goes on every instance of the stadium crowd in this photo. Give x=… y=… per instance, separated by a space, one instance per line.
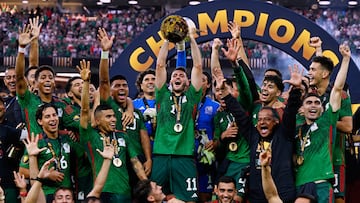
x=248 y=142
x=69 y=35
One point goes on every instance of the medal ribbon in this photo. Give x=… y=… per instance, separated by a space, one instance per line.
x=57 y=158
x=303 y=140
x=177 y=108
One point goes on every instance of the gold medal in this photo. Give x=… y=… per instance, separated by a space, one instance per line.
x=233 y=146
x=178 y=127
x=300 y=160
x=117 y=162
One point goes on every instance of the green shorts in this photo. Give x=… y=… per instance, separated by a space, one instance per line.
x=114 y=198
x=322 y=192
x=235 y=170
x=177 y=175
x=339 y=185
x=83 y=187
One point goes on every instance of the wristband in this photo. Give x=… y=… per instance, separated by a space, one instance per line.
x=104 y=54
x=23 y=194
x=41 y=180
x=21 y=50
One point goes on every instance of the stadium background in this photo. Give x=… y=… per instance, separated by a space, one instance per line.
x=68 y=34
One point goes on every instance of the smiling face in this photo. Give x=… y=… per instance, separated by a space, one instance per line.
x=178 y=81
x=46 y=82
x=10 y=81
x=266 y=122
x=119 y=91
x=225 y=192
x=312 y=108
x=317 y=74
x=49 y=120
x=148 y=84
x=106 y=121
x=269 y=92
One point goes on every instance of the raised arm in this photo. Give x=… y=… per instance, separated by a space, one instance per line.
x=160 y=71
x=36 y=194
x=31 y=144
x=294 y=101
x=215 y=62
x=268 y=184
x=196 y=72
x=85 y=74
x=316 y=42
x=34 y=46
x=24 y=40
x=100 y=180
x=335 y=95
x=104 y=78
x=235 y=30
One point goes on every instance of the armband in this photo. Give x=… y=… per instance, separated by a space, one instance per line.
x=41 y=180
x=21 y=50
x=104 y=54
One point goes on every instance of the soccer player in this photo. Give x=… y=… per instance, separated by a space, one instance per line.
x=116 y=188
x=173 y=162
x=56 y=146
x=146 y=84
x=227 y=137
x=204 y=125
x=115 y=94
x=313 y=140
x=319 y=73
x=225 y=190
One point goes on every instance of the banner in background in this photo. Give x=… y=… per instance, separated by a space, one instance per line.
x=262 y=22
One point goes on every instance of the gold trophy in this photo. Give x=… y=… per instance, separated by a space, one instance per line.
x=174 y=28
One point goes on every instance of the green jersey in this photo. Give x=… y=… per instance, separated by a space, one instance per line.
x=316 y=141
x=339 y=143
x=118 y=178
x=62 y=148
x=30 y=103
x=167 y=140
x=223 y=121
x=71 y=117
x=133 y=130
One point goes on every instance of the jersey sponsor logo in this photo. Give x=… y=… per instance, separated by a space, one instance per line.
x=66 y=147
x=327 y=106
x=25 y=159
x=314 y=127
x=184 y=100
x=136 y=115
x=47 y=151
x=209 y=110
x=60 y=112
x=121 y=142
x=76 y=118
